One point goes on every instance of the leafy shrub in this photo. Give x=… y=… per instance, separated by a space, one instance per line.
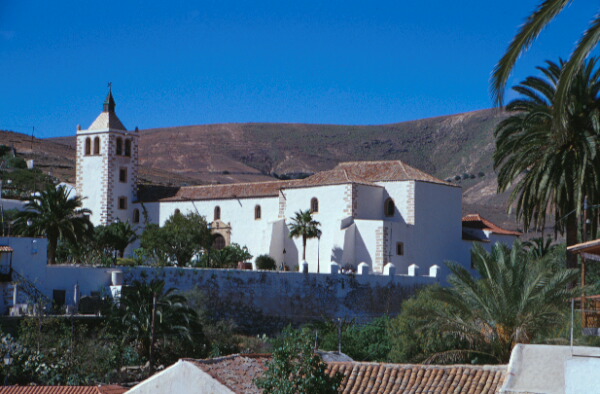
x=265 y=262
x=457 y=178
x=126 y=262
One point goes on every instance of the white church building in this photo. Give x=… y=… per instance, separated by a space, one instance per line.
x=371 y=213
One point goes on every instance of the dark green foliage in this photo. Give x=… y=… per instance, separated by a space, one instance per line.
x=55 y=215
x=51 y=351
x=481 y=174
x=6 y=221
x=16 y=162
x=265 y=262
x=362 y=342
x=5 y=150
x=178 y=241
x=465 y=176
x=178 y=332
x=457 y=178
x=24 y=182
x=552 y=168
x=517 y=299
x=114 y=237
x=228 y=257
x=296 y=368
x=546 y=11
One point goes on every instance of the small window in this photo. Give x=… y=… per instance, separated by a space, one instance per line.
x=257 y=212
x=59 y=297
x=119 y=146
x=314 y=205
x=136 y=215
x=127 y=147
x=88 y=146
x=400 y=248
x=389 y=207
x=217 y=213
x=123 y=175
x=122 y=202
x=97 y=145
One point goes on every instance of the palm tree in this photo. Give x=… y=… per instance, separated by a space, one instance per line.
x=173 y=319
x=116 y=236
x=545 y=12
x=55 y=215
x=552 y=168
x=303 y=225
x=516 y=299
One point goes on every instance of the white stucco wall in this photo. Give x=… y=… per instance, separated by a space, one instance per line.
x=370 y=202
x=330 y=215
x=182 y=377
x=553 y=369
x=8 y=204
x=256 y=234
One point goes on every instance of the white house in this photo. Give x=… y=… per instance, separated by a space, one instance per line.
x=371 y=213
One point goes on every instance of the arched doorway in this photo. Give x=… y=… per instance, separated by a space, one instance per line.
x=218 y=242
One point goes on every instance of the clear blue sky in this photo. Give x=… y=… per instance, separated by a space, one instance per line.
x=178 y=63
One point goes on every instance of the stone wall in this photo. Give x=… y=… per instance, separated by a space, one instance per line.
x=258 y=301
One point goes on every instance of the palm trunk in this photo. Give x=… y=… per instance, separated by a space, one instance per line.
x=52 y=245
x=571 y=240
x=304 y=248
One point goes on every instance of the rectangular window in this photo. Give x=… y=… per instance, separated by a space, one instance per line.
x=59 y=297
x=122 y=202
x=123 y=175
x=400 y=248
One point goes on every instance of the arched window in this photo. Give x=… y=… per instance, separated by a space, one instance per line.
x=119 y=146
x=88 y=146
x=97 y=145
x=389 y=207
x=257 y=212
x=314 y=205
x=218 y=242
x=136 y=215
x=217 y=213
x=127 y=147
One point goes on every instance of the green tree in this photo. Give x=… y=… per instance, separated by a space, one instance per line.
x=177 y=332
x=228 y=257
x=296 y=368
x=116 y=236
x=516 y=300
x=55 y=215
x=413 y=337
x=179 y=240
x=303 y=225
x=552 y=169
x=545 y=12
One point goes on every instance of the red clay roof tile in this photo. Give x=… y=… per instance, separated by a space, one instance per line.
x=477 y=221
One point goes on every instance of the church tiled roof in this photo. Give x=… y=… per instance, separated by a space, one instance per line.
x=233 y=190
x=238 y=372
x=358 y=172
x=389 y=170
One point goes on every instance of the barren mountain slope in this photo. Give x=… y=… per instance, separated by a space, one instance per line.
x=445 y=146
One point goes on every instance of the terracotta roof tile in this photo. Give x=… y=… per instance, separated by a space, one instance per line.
x=477 y=221
x=103 y=389
x=238 y=372
x=363 y=172
x=233 y=190
x=4 y=248
x=389 y=170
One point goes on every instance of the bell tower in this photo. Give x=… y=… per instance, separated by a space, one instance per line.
x=107 y=166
